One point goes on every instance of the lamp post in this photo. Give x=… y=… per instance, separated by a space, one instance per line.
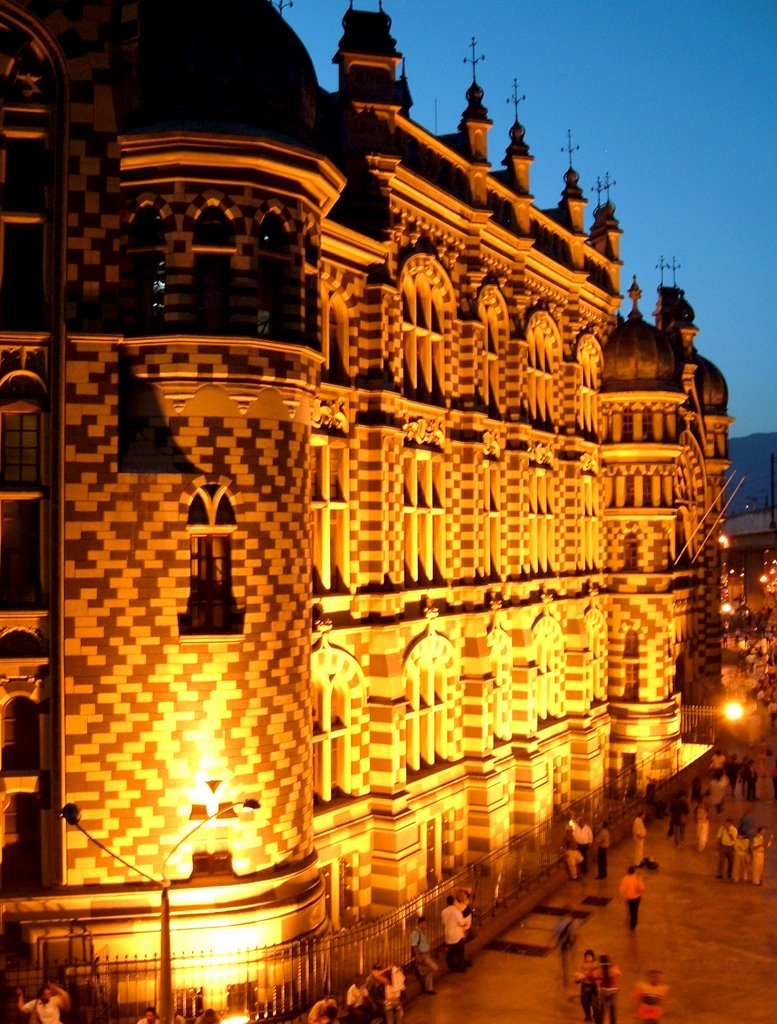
x=72 y=815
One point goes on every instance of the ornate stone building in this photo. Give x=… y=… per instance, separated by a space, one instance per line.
x=329 y=475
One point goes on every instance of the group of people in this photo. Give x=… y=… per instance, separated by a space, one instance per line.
x=51 y=1001
x=599 y=978
x=576 y=847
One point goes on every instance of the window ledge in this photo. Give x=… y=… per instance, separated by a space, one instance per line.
x=212 y=638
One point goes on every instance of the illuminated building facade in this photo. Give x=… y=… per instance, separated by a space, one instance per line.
x=329 y=476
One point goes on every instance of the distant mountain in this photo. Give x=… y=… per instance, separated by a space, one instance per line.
x=751 y=458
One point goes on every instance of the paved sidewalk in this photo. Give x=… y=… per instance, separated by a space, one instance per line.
x=715 y=941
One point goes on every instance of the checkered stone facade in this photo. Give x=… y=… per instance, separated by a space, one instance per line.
x=382 y=433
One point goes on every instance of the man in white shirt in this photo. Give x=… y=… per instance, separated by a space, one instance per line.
x=47 y=1006
x=454 y=932
x=583 y=836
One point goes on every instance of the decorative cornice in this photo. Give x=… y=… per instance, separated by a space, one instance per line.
x=329 y=414
x=424 y=431
x=541 y=454
x=493 y=444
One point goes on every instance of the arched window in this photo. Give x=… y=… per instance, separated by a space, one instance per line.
x=501 y=657
x=492 y=355
x=431 y=680
x=551 y=668
x=336 y=368
x=596 y=630
x=340 y=724
x=541 y=521
x=213 y=246
x=422 y=336
x=544 y=354
x=271 y=268
x=21 y=738
x=147 y=247
x=211 y=523
x=589 y=358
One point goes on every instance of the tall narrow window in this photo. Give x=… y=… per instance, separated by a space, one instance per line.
x=213 y=246
x=424 y=518
x=21 y=739
x=21 y=864
x=19 y=553
x=211 y=525
x=27 y=173
x=147 y=248
x=271 y=269
x=330 y=516
x=631 y=666
x=490 y=520
x=631 y=552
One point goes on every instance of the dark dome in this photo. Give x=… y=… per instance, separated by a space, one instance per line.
x=236 y=68
x=637 y=356
x=712 y=386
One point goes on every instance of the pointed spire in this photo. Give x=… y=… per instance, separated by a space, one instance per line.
x=475 y=109
x=635 y=294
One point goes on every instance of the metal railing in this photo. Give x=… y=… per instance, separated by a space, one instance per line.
x=279 y=981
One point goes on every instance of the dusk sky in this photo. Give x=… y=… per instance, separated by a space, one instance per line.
x=677 y=101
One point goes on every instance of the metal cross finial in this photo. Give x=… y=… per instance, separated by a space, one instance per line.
x=675 y=267
x=598 y=188
x=608 y=183
x=473 y=60
x=515 y=99
x=281 y=4
x=662 y=265
x=569 y=148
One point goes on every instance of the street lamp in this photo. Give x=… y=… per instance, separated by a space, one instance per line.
x=72 y=815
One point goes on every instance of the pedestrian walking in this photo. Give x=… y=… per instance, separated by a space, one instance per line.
x=741 y=857
x=678 y=817
x=726 y=837
x=565 y=934
x=423 y=963
x=761 y=842
x=607 y=979
x=585 y=976
x=631 y=889
x=718 y=789
x=702 y=816
x=602 y=847
x=649 y=997
x=638 y=833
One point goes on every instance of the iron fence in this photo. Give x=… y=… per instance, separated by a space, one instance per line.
x=277 y=982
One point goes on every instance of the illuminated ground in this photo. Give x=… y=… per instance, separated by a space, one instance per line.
x=716 y=941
